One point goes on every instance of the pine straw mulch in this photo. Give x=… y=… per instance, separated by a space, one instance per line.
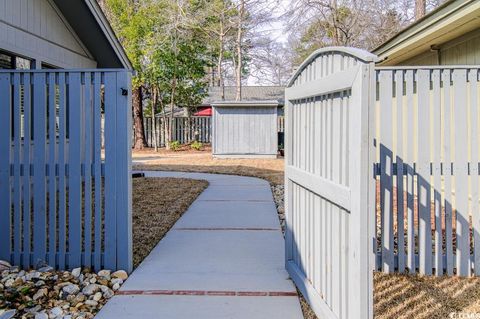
x=157 y=204
x=427 y=297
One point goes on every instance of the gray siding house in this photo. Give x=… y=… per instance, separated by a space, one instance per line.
x=67 y=34
x=449 y=35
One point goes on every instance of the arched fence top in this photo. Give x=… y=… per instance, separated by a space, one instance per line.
x=357 y=54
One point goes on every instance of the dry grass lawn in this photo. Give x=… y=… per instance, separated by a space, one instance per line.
x=157 y=204
x=395 y=296
x=202 y=161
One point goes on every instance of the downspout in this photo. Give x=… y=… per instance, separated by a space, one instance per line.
x=436 y=48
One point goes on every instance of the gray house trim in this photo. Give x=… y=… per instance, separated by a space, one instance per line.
x=92 y=28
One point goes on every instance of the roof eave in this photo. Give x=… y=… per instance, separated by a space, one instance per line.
x=109 y=33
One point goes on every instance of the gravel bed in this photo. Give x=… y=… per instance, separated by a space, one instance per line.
x=44 y=293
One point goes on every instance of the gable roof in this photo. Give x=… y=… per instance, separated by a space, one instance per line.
x=249 y=93
x=449 y=21
x=92 y=28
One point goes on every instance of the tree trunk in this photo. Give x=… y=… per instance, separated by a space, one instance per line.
x=420 y=7
x=154 y=123
x=170 y=118
x=219 y=68
x=238 y=95
x=140 y=142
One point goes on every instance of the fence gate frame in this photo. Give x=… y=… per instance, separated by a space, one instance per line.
x=336 y=77
x=44 y=183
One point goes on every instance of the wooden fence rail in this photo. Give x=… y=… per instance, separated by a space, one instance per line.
x=427 y=165
x=64 y=200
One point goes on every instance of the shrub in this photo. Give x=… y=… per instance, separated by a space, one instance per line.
x=196 y=146
x=174 y=145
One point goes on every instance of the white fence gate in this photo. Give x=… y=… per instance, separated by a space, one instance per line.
x=329 y=236
x=64 y=200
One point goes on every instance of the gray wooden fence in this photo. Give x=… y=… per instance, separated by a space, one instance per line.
x=184 y=129
x=63 y=199
x=329 y=236
x=427 y=160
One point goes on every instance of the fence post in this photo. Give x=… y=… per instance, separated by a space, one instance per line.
x=123 y=150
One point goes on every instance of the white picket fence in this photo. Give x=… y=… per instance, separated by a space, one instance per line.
x=427 y=163
x=63 y=199
x=328 y=237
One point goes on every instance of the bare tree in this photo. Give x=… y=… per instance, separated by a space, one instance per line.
x=239 y=44
x=271 y=62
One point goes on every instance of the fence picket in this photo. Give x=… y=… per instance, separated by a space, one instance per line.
x=386 y=170
x=437 y=152
x=410 y=174
x=62 y=160
x=39 y=181
x=399 y=173
x=27 y=140
x=17 y=193
x=97 y=169
x=447 y=170
x=74 y=170
x=461 y=173
x=87 y=164
x=473 y=79
x=5 y=147
x=423 y=174
x=52 y=178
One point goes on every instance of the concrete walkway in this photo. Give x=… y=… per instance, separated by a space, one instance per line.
x=224 y=258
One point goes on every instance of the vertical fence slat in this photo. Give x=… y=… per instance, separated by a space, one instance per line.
x=39 y=182
x=87 y=163
x=410 y=172
x=17 y=194
x=437 y=134
x=472 y=78
x=74 y=170
x=447 y=170
x=400 y=167
x=97 y=135
x=5 y=147
x=461 y=173
x=386 y=169
x=423 y=174
x=62 y=145
x=52 y=179
x=27 y=107
x=110 y=252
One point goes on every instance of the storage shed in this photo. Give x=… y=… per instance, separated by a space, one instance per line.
x=244 y=129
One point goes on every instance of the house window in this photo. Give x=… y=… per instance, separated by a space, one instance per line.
x=11 y=61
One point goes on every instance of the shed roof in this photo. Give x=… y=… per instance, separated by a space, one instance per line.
x=266 y=103
x=91 y=26
x=249 y=93
x=449 y=21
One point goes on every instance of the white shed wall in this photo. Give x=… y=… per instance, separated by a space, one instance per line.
x=245 y=131
x=36 y=29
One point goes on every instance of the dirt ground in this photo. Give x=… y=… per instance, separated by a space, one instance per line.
x=395 y=296
x=157 y=204
x=202 y=161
